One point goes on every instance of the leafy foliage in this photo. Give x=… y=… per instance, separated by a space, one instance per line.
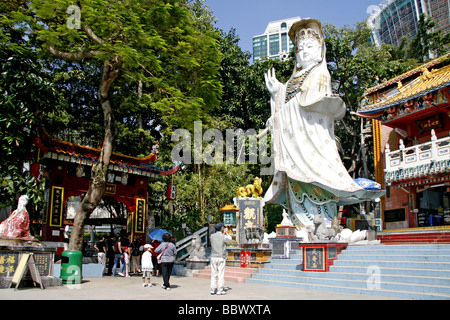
x=25 y=92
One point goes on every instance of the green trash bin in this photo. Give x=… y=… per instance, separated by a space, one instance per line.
x=71 y=267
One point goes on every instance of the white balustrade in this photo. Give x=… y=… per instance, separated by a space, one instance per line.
x=421 y=160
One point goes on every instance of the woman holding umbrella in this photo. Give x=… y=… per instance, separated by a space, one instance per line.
x=168 y=252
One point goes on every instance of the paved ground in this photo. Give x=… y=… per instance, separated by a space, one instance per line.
x=183 y=288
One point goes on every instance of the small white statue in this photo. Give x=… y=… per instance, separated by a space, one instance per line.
x=286 y=220
x=197 y=251
x=322 y=232
x=349 y=236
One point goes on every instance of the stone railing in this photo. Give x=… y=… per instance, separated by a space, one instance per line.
x=184 y=245
x=429 y=158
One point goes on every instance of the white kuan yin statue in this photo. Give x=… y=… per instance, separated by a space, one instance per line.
x=309 y=177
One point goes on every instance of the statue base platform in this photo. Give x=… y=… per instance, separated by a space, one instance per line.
x=11 y=252
x=249 y=255
x=286 y=231
x=318 y=257
x=283 y=247
x=196 y=264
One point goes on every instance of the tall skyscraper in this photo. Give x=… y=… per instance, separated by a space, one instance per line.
x=274 y=43
x=395 y=19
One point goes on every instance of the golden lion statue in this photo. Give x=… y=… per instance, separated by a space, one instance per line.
x=254 y=190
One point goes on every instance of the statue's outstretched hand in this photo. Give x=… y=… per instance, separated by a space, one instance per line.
x=272 y=83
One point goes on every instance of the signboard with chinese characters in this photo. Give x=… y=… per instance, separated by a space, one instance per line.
x=314 y=259
x=171 y=193
x=250 y=216
x=56 y=206
x=430 y=123
x=140 y=216
x=44 y=263
x=8 y=263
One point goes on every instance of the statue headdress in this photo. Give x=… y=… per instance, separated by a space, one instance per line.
x=306 y=28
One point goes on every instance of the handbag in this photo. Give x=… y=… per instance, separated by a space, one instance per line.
x=161 y=254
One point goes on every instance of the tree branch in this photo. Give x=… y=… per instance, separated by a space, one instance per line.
x=72 y=56
x=91 y=34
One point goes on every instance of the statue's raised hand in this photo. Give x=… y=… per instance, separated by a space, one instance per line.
x=272 y=83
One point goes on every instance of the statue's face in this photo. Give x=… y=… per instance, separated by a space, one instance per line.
x=22 y=201
x=309 y=52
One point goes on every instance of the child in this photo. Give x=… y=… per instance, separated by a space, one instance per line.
x=147 y=265
x=126 y=258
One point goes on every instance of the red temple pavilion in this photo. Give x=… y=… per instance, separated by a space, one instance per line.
x=68 y=168
x=411 y=127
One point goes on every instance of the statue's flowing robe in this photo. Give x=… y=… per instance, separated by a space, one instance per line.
x=17 y=225
x=310 y=177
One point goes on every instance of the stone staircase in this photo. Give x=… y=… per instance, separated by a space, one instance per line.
x=403 y=271
x=419 y=236
x=232 y=274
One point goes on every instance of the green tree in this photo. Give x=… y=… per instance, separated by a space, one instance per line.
x=428 y=43
x=153 y=44
x=355 y=65
x=244 y=101
x=26 y=92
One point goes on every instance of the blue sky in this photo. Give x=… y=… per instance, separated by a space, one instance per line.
x=250 y=17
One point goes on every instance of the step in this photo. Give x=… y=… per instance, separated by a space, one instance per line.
x=432 y=236
x=232 y=274
x=362 y=275
x=364 y=282
x=415 y=236
x=384 y=251
x=394 y=264
x=396 y=257
x=399 y=247
x=438 y=273
x=407 y=271
x=425 y=239
x=358 y=290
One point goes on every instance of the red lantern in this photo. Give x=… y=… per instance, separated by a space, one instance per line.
x=171 y=193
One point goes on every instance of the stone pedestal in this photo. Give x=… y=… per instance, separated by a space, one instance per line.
x=286 y=232
x=196 y=264
x=248 y=256
x=318 y=257
x=283 y=247
x=12 y=250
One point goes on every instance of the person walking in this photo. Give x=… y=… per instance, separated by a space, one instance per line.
x=100 y=246
x=135 y=257
x=167 y=257
x=218 y=259
x=126 y=259
x=110 y=253
x=118 y=256
x=147 y=265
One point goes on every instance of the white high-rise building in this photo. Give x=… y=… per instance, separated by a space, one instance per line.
x=394 y=19
x=274 y=43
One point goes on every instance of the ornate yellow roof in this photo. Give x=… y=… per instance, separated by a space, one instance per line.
x=415 y=83
x=229 y=207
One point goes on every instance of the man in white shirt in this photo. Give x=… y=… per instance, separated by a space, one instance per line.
x=218 y=259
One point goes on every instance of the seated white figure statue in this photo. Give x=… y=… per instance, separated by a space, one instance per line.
x=17 y=225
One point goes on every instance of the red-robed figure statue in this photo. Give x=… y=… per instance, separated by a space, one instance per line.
x=17 y=225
